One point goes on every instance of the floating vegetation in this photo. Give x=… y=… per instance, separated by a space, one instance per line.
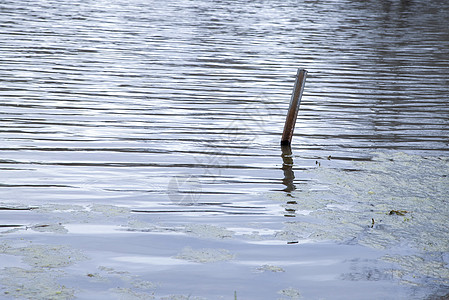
x=33 y=283
x=205 y=255
x=37 y=281
x=346 y=211
x=44 y=256
x=137 y=225
x=397 y=203
x=53 y=228
x=410 y=264
x=181 y=297
x=109 y=210
x=362 y=207
x=270 y=268
x=290 y=293
x=208 y=231
x=128 y=293
x=130 y=286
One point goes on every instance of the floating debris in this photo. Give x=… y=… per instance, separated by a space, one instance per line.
x=398 y=212
x=16 y=208
x=11 y=226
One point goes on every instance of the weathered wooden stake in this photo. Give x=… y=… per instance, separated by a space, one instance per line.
x=292 y=114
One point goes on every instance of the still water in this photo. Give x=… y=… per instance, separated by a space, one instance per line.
x=140 y=156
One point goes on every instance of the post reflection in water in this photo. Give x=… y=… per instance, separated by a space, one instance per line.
x=288 y=180
x=287 y=167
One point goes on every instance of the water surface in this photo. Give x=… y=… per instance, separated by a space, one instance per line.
x=140 y=149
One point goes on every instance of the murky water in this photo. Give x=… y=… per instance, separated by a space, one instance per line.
x=140 y=153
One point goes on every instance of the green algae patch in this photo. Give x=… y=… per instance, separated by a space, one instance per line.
x=128 y=286
x=128 y=293
x=51 y=228
x=390 y=200
x=394 y=202
x=33 y=284
x=45 y=256
x=84 y=213
x=110 y=210
x=414 y=265
x=202 y=231
x=40 y=279
x=208 y=231
x=181 y=297
x=270 y=268
x=205 y=255
x=290 y=293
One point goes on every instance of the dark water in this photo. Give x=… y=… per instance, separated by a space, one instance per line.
x=128 y=125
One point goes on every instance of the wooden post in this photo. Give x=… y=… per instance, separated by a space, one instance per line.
x=292 y=114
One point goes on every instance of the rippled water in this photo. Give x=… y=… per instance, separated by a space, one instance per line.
x=145 y=135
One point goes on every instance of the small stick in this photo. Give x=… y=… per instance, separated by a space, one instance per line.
x=292 y=114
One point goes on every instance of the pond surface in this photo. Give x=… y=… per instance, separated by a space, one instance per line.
x=140 y=157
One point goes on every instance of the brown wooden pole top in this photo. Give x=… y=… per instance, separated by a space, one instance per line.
x=292 y=114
